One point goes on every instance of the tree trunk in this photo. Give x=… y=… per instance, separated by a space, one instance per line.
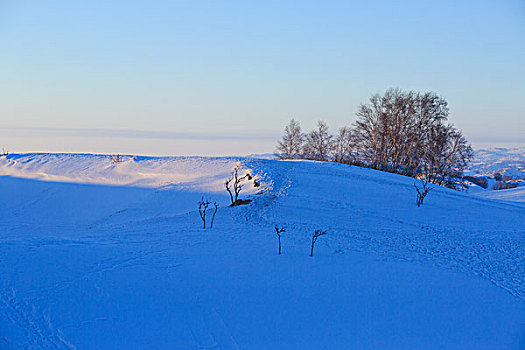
x=213 y=217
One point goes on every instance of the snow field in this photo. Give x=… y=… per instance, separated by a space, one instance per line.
x=101 y=255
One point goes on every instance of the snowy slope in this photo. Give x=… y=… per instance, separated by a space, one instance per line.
x=113 y=256
x=512 y=194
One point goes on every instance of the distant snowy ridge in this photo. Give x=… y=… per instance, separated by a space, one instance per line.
x=497 y=169
x=494 y=159
x=152 y=172
x=262 y=156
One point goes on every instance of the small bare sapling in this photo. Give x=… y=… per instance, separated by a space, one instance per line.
x=204 y=204
x=422 y=192
x=278 y=231
x=216 y=207
x=316 y=235
x=234 y=186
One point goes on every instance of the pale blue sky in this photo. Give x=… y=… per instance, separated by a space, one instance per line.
x=185 y=76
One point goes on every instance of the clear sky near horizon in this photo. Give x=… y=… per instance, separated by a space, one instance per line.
x=224 y=77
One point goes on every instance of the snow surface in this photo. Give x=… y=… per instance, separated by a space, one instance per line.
x=98 y=255
x=513 y=194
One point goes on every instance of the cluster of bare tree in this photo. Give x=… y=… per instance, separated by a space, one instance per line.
x=405 y=132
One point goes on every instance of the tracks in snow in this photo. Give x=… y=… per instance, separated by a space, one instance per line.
x=39 y=331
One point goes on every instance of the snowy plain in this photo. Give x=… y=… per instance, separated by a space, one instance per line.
x=103 y=255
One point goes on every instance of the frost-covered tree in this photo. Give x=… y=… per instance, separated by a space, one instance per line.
x=290 y=146
x=318 y=143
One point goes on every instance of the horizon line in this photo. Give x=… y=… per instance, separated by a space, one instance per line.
x=141 y=134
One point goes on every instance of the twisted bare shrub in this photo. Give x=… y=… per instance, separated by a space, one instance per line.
x=422 y=192
x=234 y=186
x=316 y=235
x=278 y=231
x=203 y=208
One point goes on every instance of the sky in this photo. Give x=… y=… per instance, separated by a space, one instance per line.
x=225 y=77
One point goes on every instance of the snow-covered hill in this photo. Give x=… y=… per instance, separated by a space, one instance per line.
x=136 y=171
x=97 y=254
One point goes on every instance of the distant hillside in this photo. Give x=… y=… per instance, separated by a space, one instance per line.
x=497 y=169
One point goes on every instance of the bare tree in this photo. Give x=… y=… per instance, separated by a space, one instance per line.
x=216 y=207
x=446 y=156
x=278 y=231
x=234 y=185
x=316 y=235
x=203 y=206
x=4 y=152
x=407 y=133
x=228 y=185
x=318 y=144
x=422 y=192
x=344 y=146
x=291 y=144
